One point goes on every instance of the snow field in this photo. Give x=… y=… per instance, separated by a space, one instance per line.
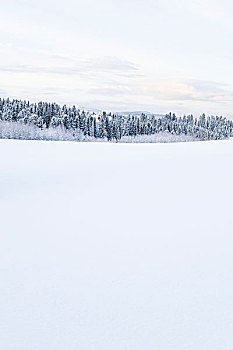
x=116 y=246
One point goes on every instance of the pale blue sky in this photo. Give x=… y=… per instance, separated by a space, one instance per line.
x=161 y=55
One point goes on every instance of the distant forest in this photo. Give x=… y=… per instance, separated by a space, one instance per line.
x=50 y=121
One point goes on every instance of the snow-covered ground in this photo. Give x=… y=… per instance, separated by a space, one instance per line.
x=116 y=246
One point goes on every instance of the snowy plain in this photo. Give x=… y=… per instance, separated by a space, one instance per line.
x=116 y=246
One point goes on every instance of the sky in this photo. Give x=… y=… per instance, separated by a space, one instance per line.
x=120 y=55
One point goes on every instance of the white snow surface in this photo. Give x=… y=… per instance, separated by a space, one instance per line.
x=116 y=246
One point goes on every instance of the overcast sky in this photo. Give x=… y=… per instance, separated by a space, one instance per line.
x=155 y=55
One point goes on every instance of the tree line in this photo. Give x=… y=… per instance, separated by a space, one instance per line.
x=17 y=116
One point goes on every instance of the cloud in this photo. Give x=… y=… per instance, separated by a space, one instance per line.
x=176 y=90
x=186 y=90
x=81 y=67
x=3 y=92
x=210 y=10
